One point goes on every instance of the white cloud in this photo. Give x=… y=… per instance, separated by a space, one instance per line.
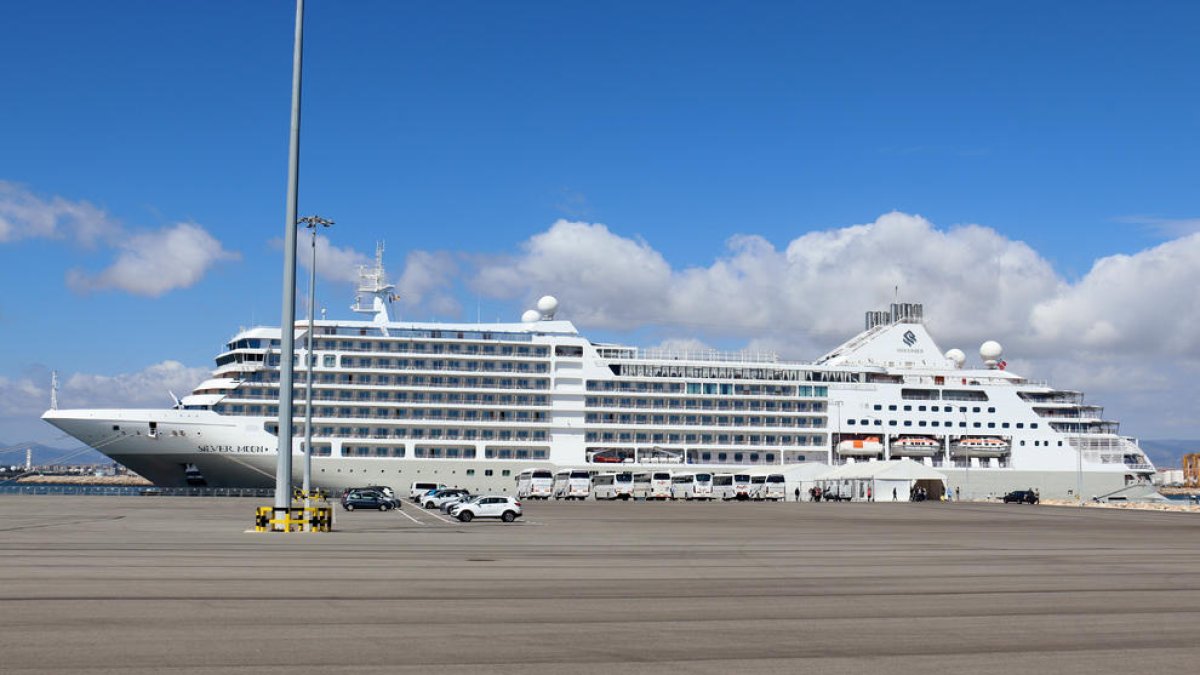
x=25 y=215
x=428 y=283
x=817 y=287
x=335 y=263
x=148 y=263
x=153 y=263
x=1143 y=303
x=29 y=395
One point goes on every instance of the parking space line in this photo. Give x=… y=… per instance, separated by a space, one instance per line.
x=439 y=517
x=403 y=513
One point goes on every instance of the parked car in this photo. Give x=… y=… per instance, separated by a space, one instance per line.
x=1021 y=497
x=365 y=499
x=503 y=507
x=386 y=491
x=435 y=499
x=419 y=488
x=449 y=504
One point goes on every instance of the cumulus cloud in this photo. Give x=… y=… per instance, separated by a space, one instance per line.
x=154 y=263
x=26 y=215
x=428 y=283
x=29 y=395
x=335 y=263
x=148 y=263
x=1142 y=303
x=816 y=287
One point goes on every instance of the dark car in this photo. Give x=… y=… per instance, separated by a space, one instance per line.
x=387 y=492
x=1021 y=497
x=366 y=499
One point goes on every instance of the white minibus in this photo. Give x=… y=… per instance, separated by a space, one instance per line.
x=741 y=486
x=722 y=486
x=660 y=485
x=577 y=484
x=612 y=485
x=535 y=484
x=775 y=488
x=641 y=485
x=758 y=485
x=691 y=486
x=562 y=482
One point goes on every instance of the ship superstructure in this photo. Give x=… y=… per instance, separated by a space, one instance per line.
x=473 y=405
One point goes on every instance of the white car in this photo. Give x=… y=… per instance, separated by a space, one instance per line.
x=435 y=499
x=488 y=506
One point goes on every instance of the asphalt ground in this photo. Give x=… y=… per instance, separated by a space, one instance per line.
x=177 y=585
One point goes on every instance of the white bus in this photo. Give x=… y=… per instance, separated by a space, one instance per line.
x=775 y=488
x=722 y=486
x=691 y=486
x=660 y=485
x=535 y=484
x=641 y=485
x=758 y=487
x=742 y=487
x=572 y=484
x=612 y=485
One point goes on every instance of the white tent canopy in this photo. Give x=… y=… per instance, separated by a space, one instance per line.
x=896 y=469
x=892 y=480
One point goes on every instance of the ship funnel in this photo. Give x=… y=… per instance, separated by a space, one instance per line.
x=877 y=318
x=908 y=312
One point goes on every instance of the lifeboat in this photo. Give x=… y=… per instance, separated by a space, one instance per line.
x=980 y=447
x=868 y=446
x=915 y=446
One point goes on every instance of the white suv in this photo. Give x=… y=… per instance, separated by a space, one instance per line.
x=488 y=506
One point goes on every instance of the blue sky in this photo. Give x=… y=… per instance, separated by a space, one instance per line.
x=467 y=129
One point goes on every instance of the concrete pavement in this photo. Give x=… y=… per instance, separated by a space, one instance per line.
x=158 y=584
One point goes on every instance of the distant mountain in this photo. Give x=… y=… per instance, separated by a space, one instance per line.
x=1168 y=453
x=14 y=453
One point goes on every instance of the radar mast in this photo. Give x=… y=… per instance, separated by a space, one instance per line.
x=374 y=294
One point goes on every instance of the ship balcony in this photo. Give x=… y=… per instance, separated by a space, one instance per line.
x=1085 y=412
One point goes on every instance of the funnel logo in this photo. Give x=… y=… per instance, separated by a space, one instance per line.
x=910 y=338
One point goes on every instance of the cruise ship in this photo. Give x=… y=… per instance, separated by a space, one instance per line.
x=475 y=404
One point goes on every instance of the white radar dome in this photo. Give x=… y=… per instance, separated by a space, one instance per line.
x=530 y=316
x=957 y=356
x=547 y=305
x=990 y=350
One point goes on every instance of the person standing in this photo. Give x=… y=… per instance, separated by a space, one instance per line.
x=797 y=494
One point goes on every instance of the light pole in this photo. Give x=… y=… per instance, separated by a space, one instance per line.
x=287 y=342
x=312 y=223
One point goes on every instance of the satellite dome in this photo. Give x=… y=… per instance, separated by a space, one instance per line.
x=547 y=305
x=957 y=356
x=990 y=350
x=530 y=316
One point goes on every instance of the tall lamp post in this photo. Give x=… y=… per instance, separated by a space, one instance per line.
x=312 y=223
x=287 y=343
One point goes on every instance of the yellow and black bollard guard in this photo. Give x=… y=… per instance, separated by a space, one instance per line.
x=312 y=515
